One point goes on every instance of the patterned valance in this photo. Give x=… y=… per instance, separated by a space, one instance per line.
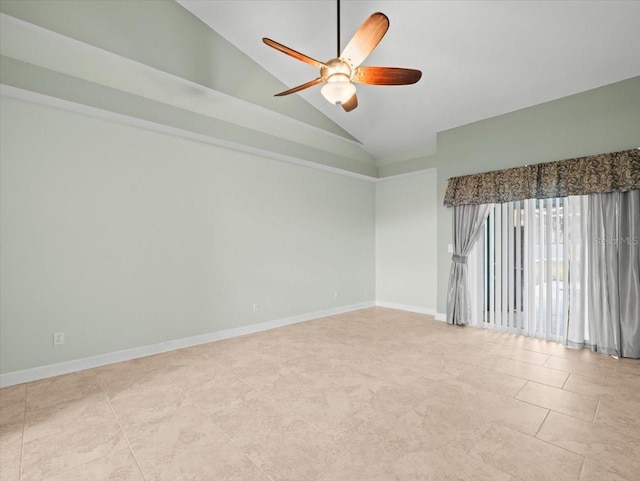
x=595 y=174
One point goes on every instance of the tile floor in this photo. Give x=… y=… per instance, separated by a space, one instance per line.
x=371 y=395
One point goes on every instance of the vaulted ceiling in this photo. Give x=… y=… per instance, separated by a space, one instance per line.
x=479 y=58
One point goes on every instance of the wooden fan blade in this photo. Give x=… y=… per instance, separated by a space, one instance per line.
x=292 y=53
x=366 y=39
x=386 y=76
x=350 y=104
x=300 y=87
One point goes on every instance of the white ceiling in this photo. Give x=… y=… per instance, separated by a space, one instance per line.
x=479 y=59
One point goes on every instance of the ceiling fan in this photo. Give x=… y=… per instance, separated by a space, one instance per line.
x=340 y=73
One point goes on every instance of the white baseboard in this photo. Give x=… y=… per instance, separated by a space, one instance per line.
x=42 y=372
x=406 y=307
x=441 y=316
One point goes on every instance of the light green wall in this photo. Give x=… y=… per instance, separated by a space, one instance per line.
x=606 y=119
x=122 y=237
x=406 y=240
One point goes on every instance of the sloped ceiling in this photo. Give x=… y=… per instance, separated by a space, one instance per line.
x=199 y=68
x=479 y=58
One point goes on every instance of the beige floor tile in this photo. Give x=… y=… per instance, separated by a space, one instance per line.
x=621 y=379
x=553 y=348
x=91 y=411
x=10 y=451
x=594 y=372
x=625 y=365
x=330 y=410
x=12 y=404
x=446 y=465
x=67 y=448
x=508 y=412
x=117 y=378
x=207 y=374
x=61 y=389
x=531 y=372
x=609 y=447
x=585 y=385
x=385 y=442
x=264 y=375
x=519 y=355
x=13 y=394
x=596 y=470
x=244 y=416
x=146 y=402
x=494 y=381
x=350 y=467
x=431 y=426
x=621 y=413
x=296 y=451
x=184 y=444
x=566 y=402
x=526 y=458
x=115 y=466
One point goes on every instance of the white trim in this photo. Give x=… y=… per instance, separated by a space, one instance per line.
x=406 y=174
x=41 y=372
x=405 y=307
x=441 y=316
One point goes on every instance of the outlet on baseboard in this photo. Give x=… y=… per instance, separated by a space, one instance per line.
x=256 y=307
x=58 y=338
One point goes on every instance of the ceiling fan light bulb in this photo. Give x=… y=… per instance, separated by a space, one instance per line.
x=338 y=92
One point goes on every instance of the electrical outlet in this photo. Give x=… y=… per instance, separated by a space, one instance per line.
x=58 y=338
x=256 y=307
x=336 y=294
x=450 y=248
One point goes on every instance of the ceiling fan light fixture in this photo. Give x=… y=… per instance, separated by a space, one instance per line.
x=338 y=89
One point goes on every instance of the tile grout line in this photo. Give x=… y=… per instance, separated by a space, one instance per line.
x=595 y=414
x=584 y=460
x=24 y=427
x=135 y=458
x=542 y=424
x=519 y=390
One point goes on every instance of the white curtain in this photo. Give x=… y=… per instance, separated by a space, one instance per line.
x=576 y=248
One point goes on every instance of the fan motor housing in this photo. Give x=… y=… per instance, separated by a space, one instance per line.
x=338 y=67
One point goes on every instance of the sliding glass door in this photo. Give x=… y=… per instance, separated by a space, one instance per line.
x=524 y=268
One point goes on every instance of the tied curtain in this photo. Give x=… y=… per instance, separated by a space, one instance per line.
x=468 y=223
x=602 y=242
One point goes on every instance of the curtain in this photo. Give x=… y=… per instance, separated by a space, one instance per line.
x=468 y=222
x=614 y=278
